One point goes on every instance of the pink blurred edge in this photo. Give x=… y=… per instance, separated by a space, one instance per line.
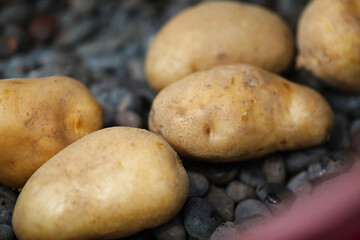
x=331 y=212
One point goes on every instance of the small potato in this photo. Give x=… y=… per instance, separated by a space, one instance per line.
x=237 y=112
x=329 y=42
x=218 y=33
x=110 y=184
x=39 y=117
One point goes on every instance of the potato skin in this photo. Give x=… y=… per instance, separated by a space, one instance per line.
x=238 y=112
x=218 y=33
x=329 y=42
x=39 y=117
x=109 y=184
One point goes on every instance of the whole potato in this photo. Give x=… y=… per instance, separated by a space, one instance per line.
x=39 y=117
x=218 y=33
x=237 y=112
x=110 y=184
x=329 y=42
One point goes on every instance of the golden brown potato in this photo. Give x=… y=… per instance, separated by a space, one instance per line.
x=237 y=112
x=218 y=33
x=39 y=117
x=329 y=42
x=110 y=184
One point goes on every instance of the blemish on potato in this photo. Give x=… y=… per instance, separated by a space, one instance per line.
x=132 y=144
x=7 y=94
x=222 y=57
x=118 y=164
x=283 y=142
x=244 y=117
x=287 y=86
x=251 y=81
x=160 y=145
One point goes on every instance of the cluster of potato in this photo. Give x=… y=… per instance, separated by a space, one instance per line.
x=220 y=100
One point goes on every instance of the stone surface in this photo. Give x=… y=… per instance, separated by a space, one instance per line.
x=239 y=191
x=223 y=204
x=274 y=169
x=198 y=185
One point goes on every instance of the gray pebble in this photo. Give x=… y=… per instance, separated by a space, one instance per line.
x=223 y=204
x=198 y=185
x=252 y=176
x=330 y=165
x=251 y=207
x=200 y=218
x=6 y=232
x=128 y=118
x=172 y=230
x=300 y=160
x=219 y=174
x=355 y=126
x=345 y=103
x=274 y=169
x=225 y=230
x=248 y=223
x=300 y=184
x=340 y=136
x=239 y=191
x=275 y=196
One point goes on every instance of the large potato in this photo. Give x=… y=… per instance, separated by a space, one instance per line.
x=218 y=33
x=109 y=184
x=329 y=42
x=39 y=117
x=239 y=112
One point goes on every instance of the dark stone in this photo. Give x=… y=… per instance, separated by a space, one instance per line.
x=345 y=103
x=198 y=185
x=355 y=126
x=248 y=223
x=249 y=208
x=5 y=217
x=7 y=203
x=219 y=174
x=83 y=6
x=275 y=196
x=223 y=204
x=172 y=230
x=128 y=118
x=225 y=230
x=200 y=218
x=300 y=160
x=340 y=136
x=290 y=10
x=300 y=184
x=42 y=27
x=16 y=12
x=274 y=169
x=329 y=166
x=6 y=232
x=239 y=191
x=252 y=176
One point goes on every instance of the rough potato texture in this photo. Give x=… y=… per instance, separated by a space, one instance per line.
x=109 y=184
x=39 y=117
x=218 y=33
x=329 y=42
x=237 y=112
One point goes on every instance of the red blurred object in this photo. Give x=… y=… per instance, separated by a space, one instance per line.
x=332 y=212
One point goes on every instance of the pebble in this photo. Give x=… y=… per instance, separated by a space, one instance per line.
x=42 y=27
x=355 y=126
x=225 y=230
x=246 y=224
x=300 y=184
x=345 y=103
x=198 y=185
x=200 y=218
x=172 y=230
x=298 y=161
x=220 y=174
x=8 y=45
x=239 y=191
x=7 y=204
x=252 y=176
x=274 y=169
x=340 y=136
x=6 y=232
x=223 y=204
x=275 y=196
x=330 y=165
x=249 y=208
x=355 y=142
x=290 y=10
x=128 y=118
x=16 y=12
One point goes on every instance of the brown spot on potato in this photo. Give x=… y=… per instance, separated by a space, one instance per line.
x=283 y=142
x=287 y=86
x=222 y=57
x=251 y=81
x=207 y=129
x=244 y=117
x=160 y=145
x=7 y=94
x=16 y=82
x=118 y=164
x=132 y=144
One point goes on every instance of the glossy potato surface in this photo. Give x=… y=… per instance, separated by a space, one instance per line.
x=38 y=118
x=218 y=33
x=237 y=112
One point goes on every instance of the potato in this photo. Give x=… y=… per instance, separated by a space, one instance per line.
x=329 y=42
x=109 y=184
x=39 y=117
x=218 y=33
x=238 y=112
